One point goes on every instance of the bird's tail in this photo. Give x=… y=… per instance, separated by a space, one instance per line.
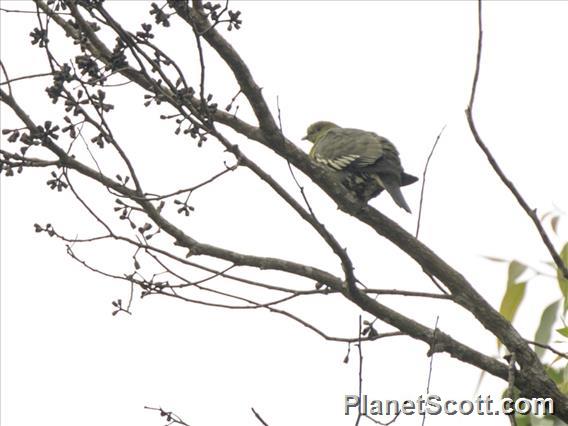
x=393 y=188
x=406 y=179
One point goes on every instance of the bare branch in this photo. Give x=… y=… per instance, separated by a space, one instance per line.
x=424 y=180
x=170 y=416
x=360 y=376
x=153 y=197
x=407 y=293
x=511 y=385
x=550 y=348
x=16 y=160
x=531 y=213
x=25 y=77
x=8 y=81
x=432 y=345
x=260 y=419
x=28 y=11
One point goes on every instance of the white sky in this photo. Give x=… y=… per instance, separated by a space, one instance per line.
x=400 y=69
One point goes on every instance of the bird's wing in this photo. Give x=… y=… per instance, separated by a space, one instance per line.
x=341 y=148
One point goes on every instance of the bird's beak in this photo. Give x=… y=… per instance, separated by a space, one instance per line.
x=305 y=138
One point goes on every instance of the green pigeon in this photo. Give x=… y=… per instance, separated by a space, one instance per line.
x=367 y=163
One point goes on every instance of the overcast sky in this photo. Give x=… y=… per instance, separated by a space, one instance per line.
x=401 y=69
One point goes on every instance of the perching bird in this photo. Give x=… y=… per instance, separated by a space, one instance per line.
x=368 y=163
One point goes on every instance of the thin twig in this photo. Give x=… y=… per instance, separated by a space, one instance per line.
x=431 y=363
x=300 y=187
x=171 y=417
x=153 y=197
x=29 y=11
x=407 y=293
x=437 y=284
x=360 y=380
x=424 y=180
x=511 y=385
x=360 y=415
x=548 y=347
x=529 y=211
x=8 y=81
x=25 y=77
x=260 y=419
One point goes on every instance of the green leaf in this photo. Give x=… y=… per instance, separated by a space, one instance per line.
x=555 y=374
x=523 y=420
x=563 y=386
x=512 y=299
x=542 y=421
x=516 y=269
x=563 y=282
x=563 y=331
x=544 y=330
x=514 y=293
x=530 y=420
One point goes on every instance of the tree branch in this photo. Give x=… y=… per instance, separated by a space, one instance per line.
x=531 y=213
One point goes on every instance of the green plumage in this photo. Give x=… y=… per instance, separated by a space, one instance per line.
x=367 y=163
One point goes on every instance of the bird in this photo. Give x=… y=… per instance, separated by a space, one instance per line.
x=366 y=162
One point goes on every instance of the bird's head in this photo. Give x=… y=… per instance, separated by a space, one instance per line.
x=317 y=130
